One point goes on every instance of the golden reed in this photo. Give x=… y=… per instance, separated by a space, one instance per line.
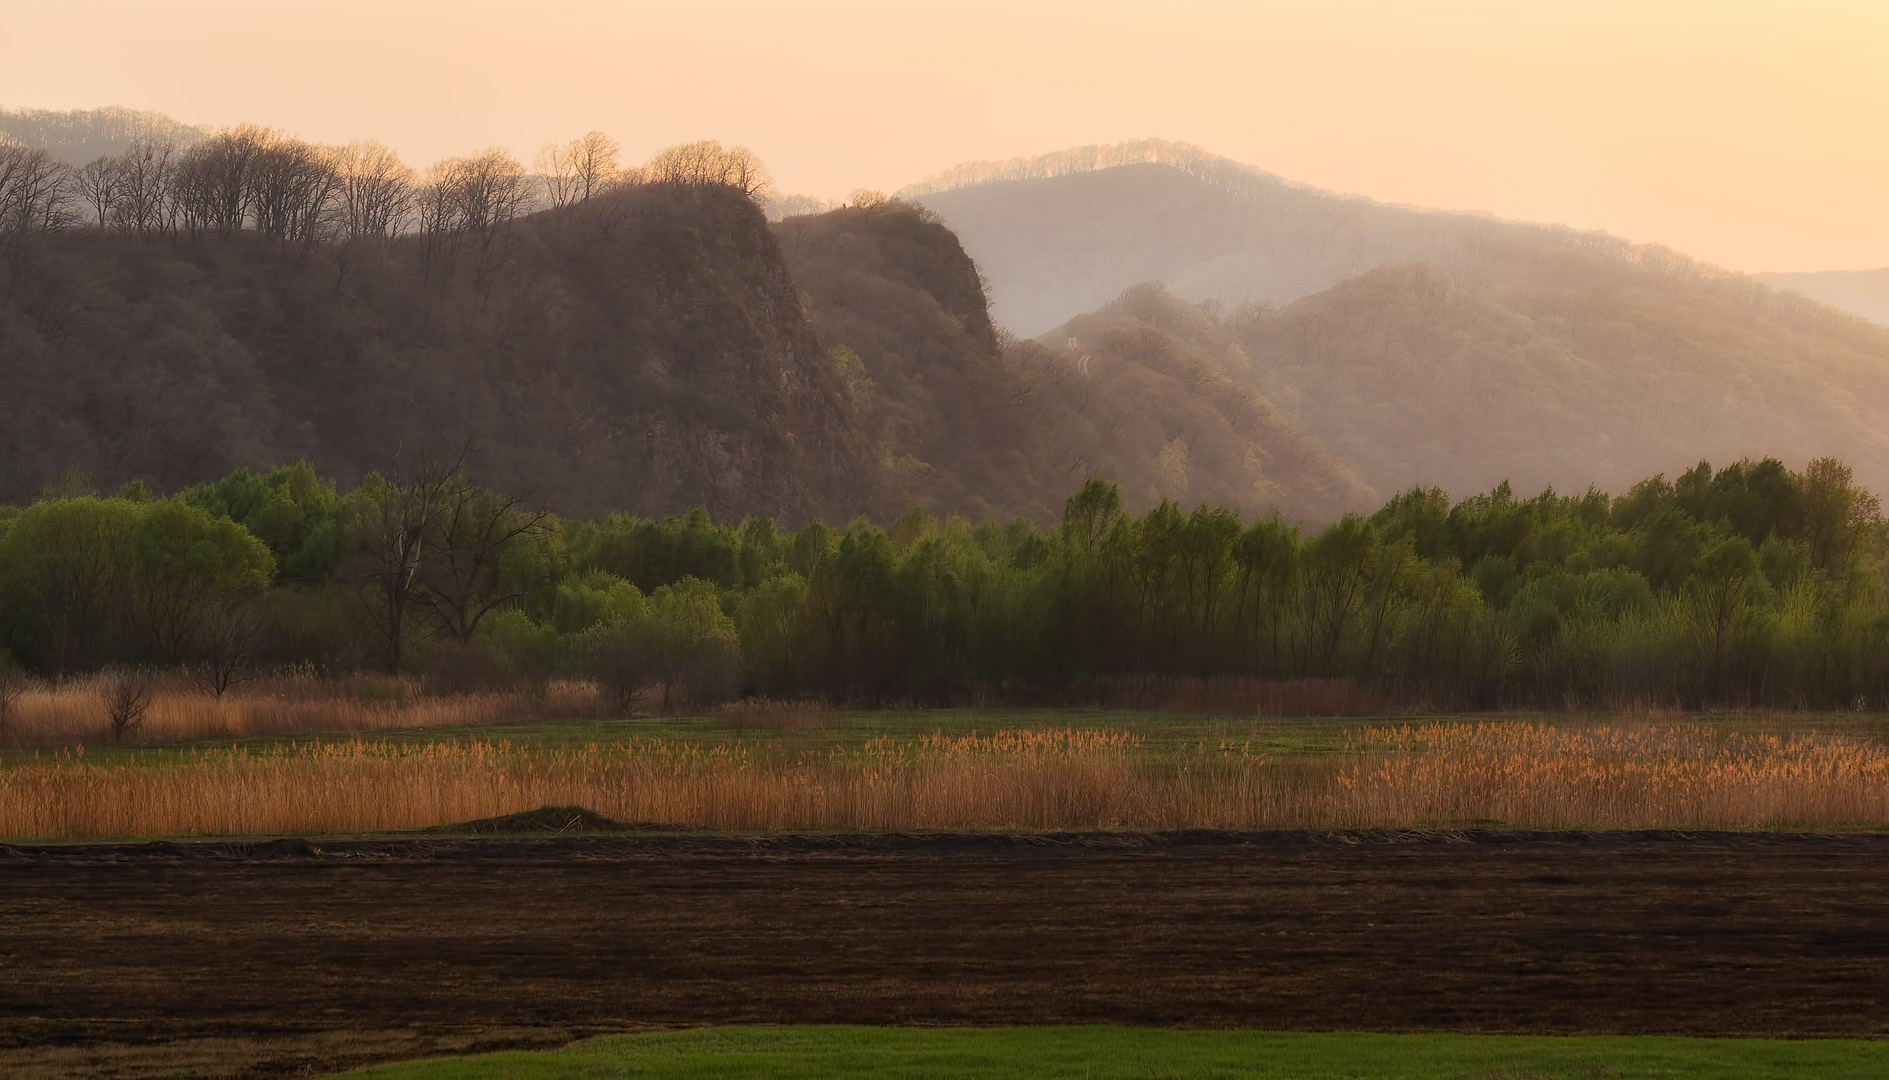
x=76 y=711
x=1433 y=775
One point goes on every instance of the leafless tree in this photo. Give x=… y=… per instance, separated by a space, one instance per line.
x=557 y=171
x=217 y=183
x=128 y=695
x=493 y=191
x=292 y=185
x=577 y=171
x=436 y=213
x=708 y=162
x=223 y=643
x=35 y=197
x=34 y=193
x=375 y=192
x=474 y=198
x=396 y=520
x=14 y=682
x=144 y=175
x=473 y=532
x=595 y=156
x=99 y=185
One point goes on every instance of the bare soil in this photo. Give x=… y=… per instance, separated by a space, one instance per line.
x=289 y=956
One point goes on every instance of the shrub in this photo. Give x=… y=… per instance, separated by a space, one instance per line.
x=128 y=696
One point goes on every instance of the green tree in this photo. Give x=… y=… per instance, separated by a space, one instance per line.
x=67 y=566
x=187 y=565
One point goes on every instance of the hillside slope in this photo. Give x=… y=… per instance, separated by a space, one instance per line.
x=965 y=423
x=1860 y=292
x=1148 y=373
x=1581 y=372
x=1057 y=245
x=645 y=352
x=660 y=348
x=80 y=135
x=1428 y=347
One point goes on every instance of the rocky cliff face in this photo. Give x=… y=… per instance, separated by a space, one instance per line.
x=647 y=352
x=961 y=421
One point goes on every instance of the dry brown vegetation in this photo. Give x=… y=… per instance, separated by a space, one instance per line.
x=1427 y=776
x=80 y=711
x=1543 y=775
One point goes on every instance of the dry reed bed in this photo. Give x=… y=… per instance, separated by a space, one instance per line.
x=1521 y=774
x=77 y=711
x=1540 y=775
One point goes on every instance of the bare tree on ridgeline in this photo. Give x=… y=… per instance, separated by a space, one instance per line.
x=575 y=172
x=708 y=162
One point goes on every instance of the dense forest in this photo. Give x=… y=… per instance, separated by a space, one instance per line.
x=1749 y=584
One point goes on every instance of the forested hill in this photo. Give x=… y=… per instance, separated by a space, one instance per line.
x=1862 y=292
x=78 y=136
x=652 y=348
x=1583 y=372
x=964 y=420
x=646 y=351
x=1058 y=237
x=1063 y=233
x=1411 y=377
x=1436 y=348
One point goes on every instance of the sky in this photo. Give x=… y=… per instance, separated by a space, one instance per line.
x=1751 y=135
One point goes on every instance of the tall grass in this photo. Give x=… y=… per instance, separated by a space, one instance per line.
x=1539 y=774
x=77 y=711
x=1432 y=775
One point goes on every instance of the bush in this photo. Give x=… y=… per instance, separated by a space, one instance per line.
x=684 y=643
x=14 y=681
x=451 y=669
x=626 y=664
x=128 y=695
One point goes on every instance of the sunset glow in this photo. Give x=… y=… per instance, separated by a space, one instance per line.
x=1753 y=135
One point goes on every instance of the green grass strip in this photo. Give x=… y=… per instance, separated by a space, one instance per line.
x=1112 y=1053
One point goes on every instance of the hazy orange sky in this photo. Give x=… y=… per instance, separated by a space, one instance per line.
x=1753 y=135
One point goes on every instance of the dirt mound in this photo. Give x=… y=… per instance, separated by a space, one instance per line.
x=556 y=820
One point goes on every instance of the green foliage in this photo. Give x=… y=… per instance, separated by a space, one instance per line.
x=294 y=511
x=1746 y=585
x=650 y=554
x=680 y=641
x=86 y=581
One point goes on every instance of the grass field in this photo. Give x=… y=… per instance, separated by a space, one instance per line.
x=1106 y=1053
x=972 y=771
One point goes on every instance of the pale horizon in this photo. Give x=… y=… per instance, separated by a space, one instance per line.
x=1739 y=133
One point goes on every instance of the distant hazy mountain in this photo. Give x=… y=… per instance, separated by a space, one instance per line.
x=81 y=135
x=1587 y=371
x=1434 y=348
x=1065 y=233
x=1861 y=292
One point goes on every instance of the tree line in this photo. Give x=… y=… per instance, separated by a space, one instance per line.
x=1751 y=584
x=257 y=179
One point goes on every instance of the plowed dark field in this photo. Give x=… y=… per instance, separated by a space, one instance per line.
x=277 y=957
